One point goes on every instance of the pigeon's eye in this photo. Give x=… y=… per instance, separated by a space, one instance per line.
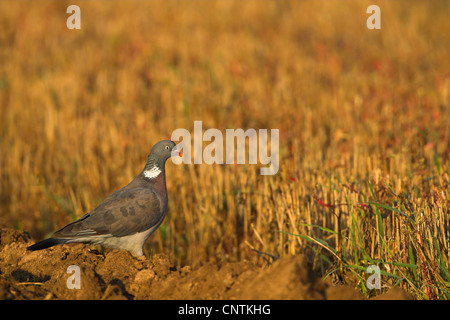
x=167 y=147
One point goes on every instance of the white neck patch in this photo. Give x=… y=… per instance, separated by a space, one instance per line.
x=152 y=173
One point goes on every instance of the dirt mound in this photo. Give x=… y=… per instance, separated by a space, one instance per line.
x=117 y=275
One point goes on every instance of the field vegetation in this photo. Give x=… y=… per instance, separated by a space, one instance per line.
x=364 y=120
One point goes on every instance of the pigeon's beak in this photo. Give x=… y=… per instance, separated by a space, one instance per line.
x=177 y=153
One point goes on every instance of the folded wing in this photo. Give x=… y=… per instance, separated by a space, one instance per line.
x=123 y=213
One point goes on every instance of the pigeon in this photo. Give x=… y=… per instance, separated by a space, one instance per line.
x=127 y=217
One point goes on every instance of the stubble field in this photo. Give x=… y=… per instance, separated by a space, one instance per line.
x=364 y=137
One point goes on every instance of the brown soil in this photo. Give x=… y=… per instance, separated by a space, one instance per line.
x=118 y=275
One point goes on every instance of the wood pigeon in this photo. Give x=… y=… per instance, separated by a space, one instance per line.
x=127 y=217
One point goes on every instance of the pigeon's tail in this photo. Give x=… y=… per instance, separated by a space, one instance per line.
x=47 y=243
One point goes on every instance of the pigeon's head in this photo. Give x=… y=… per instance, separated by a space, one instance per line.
x=163 y=150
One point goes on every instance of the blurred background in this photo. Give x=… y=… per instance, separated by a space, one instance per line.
x=363 y=118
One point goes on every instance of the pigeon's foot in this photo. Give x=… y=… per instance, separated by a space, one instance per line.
x=141 y=258
x=100 y=253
